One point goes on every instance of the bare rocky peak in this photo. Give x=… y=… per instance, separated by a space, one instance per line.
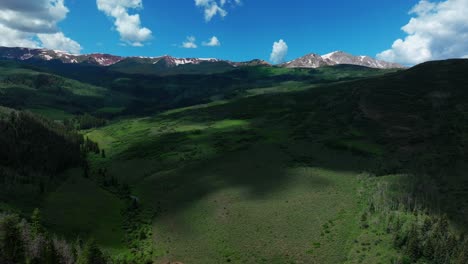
x=308 y=61
x=24 y=54
x=48 y=55
x=255 y=62
x=339 y=57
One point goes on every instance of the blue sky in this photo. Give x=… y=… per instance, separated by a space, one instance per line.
x=246 y=29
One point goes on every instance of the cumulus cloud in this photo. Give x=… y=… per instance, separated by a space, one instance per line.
x=213 y=42
x=129 y=26
x=15 y=38
x=33 y=24
x=40 y=16
x=279 y=52
x=59 y=41
x=190 y=43
x=212 y=8
x=437 y=30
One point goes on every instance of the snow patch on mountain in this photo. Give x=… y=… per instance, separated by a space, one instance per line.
x=338 y=57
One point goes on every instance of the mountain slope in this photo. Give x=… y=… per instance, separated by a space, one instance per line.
x=26 y=54
x=274 y=174
x=274 y=167
x=23 y=86
x=171 y=65
x=340 y=57
x=336 y=58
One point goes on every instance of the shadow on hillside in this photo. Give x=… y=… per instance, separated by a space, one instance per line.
x=333 y=110
x=252 y=158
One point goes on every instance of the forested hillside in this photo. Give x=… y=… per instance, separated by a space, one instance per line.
x=260 y=164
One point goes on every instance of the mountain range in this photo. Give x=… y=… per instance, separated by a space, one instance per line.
x=308 y=61
x=339 y=57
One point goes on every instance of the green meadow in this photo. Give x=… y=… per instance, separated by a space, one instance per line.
x=261 y=165
x=231 y=181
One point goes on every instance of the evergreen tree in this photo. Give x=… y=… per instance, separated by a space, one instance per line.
x=91 y=254
x=11 y=245
x=36 y=225
x=462 y=257
x=412 y=247
x=50 y=253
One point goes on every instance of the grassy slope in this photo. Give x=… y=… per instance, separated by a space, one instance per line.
x=233 y=181
x=218 y=175
x=85 y=210
x=280 y=165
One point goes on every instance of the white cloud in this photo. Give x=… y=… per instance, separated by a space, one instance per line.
x=213 y=42
x=39 y=16
x=212 y=7
x=129 y=26
x=279 y=52
x=15 y=38
x=33 y=24
x=190 y=43
x=59 y=41
x=438 y=30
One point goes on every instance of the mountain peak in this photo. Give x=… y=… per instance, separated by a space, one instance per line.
x=57 y=55
x=313 y=60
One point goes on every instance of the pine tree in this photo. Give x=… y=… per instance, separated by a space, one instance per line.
x=51 y=255
x=413 y=249
x=11 y=245
x=91 y=254
x=36 y=225
x=463 y=254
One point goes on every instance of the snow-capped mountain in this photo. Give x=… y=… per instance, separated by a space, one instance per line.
x=48 y=55
x=25 y=54
x=182 y=61
x=339 y=57
x=307 y=61
x=166 y=60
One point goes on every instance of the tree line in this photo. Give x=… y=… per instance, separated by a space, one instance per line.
x=27 y=242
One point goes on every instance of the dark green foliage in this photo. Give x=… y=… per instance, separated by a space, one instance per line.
x=420 y=236
x=462 y=256
x=141 y=89
x=34 y=155
x=11 y=244
x=88 y=121
x=31 y=143
x=364 y=220
x=36 y=225
x=413 y=244
x=20 y=243
x=90 y=146
x=34 y=152
x=91 y=254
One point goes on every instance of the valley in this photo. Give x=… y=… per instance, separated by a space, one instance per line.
x=252 y=164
